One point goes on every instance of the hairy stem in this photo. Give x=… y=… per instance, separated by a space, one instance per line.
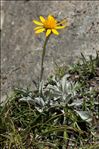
x=42 y=60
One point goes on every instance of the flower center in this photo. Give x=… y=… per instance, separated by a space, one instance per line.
x=50 y=24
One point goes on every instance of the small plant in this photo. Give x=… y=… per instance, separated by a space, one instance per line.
x=49 y=25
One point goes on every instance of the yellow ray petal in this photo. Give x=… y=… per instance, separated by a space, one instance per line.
x=37 y=22
x=42 y=19
x=59 y=27
x=51 y=17
x=55 y=31
x=48 y=32
x=36 y=28
x=40 y=30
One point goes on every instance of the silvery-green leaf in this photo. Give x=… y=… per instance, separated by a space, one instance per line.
x=64 y=97
x=84 y=115
x=56 y=98
x=39 y=101
x=68 y=98
x=39 y=110
x=27 y=99
x=76 y=103
x=96 y=103
x=63 y=84
x=55 y=88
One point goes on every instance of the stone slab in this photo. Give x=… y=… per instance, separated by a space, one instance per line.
x=21 y=49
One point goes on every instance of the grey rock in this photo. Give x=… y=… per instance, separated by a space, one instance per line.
x=21 y=49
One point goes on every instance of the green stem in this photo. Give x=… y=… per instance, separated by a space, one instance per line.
x=42 y=60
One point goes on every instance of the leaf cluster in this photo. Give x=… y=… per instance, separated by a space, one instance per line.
x=61 y=113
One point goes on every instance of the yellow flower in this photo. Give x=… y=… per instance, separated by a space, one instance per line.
x=49 y=25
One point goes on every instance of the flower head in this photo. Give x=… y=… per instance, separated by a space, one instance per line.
x=49 y=25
